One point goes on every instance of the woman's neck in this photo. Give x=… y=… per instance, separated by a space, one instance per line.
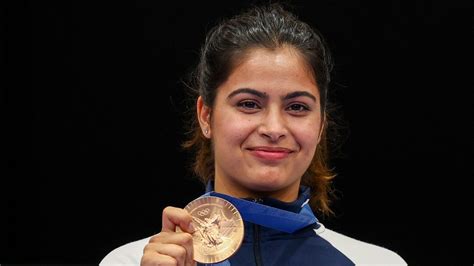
x=287 y=194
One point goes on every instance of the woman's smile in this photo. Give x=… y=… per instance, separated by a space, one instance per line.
x=268 y=153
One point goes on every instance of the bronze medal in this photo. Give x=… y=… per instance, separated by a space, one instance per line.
x=219 y=229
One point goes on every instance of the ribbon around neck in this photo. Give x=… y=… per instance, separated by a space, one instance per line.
x=268 y=216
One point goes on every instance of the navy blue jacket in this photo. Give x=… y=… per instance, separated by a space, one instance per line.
x=312 y=245
x=266 y=246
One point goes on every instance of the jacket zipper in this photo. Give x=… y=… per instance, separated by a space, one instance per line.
x=256 y=241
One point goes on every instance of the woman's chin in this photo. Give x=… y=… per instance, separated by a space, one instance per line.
x=266 y=186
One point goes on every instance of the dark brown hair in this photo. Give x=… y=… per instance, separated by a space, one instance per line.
x=268 y=27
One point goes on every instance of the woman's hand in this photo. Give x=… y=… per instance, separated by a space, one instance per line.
x=170 y=247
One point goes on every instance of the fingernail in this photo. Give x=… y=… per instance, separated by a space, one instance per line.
x=191 y=227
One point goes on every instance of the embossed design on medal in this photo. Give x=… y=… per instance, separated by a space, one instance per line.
x=219 y=229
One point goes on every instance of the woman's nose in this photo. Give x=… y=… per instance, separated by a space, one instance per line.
x=273 y=126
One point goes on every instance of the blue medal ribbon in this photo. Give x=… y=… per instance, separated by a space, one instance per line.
x=278 y=219
x=267 y=216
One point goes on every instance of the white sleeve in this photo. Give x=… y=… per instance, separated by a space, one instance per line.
x=128 y=254
x=361 y=253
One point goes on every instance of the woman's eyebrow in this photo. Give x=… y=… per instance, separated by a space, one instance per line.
x=298 y=94
x=264 y=95
x=248 y=90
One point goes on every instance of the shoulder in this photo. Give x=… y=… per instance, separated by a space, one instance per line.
x=360 y=252
x=128 y=254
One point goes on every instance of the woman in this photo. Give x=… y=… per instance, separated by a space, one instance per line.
x=259 y=135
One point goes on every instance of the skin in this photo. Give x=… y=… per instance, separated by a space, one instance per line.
x=265 y=126
x=170 y=247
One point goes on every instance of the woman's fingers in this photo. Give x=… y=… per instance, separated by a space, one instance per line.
x=172 y=250
x=182 y=239
x=170 y=247
x=173 y=217
x=151 y=259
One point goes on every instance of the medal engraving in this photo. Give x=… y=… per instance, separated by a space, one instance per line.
x=219 y=229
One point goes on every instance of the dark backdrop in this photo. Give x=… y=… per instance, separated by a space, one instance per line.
x=94 y=107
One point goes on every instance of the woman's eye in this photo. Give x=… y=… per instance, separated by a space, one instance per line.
x=248 y=105
x=298 y=108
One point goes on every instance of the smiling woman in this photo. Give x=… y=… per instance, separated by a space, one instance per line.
x=272 y=99
x=260 y=142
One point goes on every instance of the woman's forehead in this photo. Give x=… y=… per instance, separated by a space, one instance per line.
x=265 y=69
x=278 y=61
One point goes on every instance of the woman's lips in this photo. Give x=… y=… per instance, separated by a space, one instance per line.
x=270 y=153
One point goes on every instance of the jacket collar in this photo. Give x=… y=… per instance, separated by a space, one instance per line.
x=294 y=206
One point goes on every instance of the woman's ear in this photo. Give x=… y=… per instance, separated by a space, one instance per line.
x=204 y=117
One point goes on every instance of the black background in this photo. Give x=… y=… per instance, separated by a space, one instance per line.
x=94 y=121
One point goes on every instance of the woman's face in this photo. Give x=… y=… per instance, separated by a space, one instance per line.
x=265 y=125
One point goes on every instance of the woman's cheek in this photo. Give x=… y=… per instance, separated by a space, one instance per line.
x=241 y=127
x=307 y=135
